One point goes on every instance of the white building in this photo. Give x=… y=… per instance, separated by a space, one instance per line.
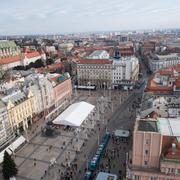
x=42 y=89
x=31 y=57
x=162 y=61
x=67 y=47
x=125 y=70
x=6 y=131
x=99 y=54
x=164 y=106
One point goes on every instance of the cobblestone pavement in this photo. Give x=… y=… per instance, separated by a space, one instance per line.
x=34 y=159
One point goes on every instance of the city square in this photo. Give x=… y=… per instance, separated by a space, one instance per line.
x=65 y=147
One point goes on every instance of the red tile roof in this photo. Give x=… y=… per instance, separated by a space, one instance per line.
x=50 y=68
x=177 y=83
x=9 y=60
x=169 y=152
x=152 y=86
x=177 y=68
x=32 y=54
x=95 y=61
x=165 y=72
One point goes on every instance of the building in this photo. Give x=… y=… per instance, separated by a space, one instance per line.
x=156 y=150
x=156 y=62
x=123 y=50
x=11 y=55
x=95 y=72
x=20 y=110
x=62 y=89
x=109 y=73
x=66 y=47
x=50 y=90
x=125 y=72
x=6 y=131
x=147 y=47
x=160 y=106
x=30 y=56
x=99 y=54
x=166 y=81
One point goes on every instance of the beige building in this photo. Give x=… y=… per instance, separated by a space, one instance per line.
x=20 y=109
x=156 y=150
x=95 y=72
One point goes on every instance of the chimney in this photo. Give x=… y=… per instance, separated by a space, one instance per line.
x=173 y=148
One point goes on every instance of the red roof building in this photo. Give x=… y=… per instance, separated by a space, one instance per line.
x=95 y=61
x=8 y=60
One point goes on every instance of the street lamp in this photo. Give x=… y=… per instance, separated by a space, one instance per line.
x=27 y=138
x=109 y=93
x=89 y=84
x=75 y=91
x=104 y=84
x=102 y=104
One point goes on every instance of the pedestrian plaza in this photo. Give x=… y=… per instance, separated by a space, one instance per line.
x=34 y=159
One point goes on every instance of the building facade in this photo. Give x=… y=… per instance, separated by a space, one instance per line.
x=6 y=131
x=162 y=61
x=125 y=70
x=110 y=73
x=155 y=153
x=11 y=55
x=20 y=110
x=95 y=72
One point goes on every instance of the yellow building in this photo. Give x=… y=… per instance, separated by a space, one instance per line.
x=20 y=110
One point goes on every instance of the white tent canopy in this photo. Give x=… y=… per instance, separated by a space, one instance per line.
x=75 y=114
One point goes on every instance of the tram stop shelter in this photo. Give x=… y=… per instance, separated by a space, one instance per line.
x=121 y=133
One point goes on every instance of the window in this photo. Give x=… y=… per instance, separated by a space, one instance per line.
x=172 y=170
x=146 y=152
x=145 y=163
x=136 y=177
x=153 y=178
x=178 y=171
x=147 y=141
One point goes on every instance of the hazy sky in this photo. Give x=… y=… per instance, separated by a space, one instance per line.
x=59 y=16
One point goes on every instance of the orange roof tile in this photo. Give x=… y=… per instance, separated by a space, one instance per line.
x=32 y=54
x=152 y=86
x=9 y=60
x=177 y=83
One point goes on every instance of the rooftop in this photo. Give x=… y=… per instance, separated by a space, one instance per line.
x=169 y=126
x=147 y=125
x=95 y=61
x=16 y=97
x=11 y=59
x=7 y=44
x=164 y=57
x=97 y=53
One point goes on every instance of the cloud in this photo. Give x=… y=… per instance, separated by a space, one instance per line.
x=38 y=16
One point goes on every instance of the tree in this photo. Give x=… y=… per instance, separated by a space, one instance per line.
x=49 y=61
x=39 y=63
x=9 y=168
